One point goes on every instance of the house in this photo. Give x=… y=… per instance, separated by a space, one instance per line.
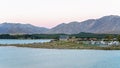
x=113 y=43
x=63 y=37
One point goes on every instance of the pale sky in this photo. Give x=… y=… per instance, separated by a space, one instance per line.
x=49 y=13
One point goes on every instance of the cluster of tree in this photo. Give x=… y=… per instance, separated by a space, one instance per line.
x=30 y=36
x=93 y=35
x=56 y=36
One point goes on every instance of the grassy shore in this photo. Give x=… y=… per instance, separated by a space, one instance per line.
x=64 y=45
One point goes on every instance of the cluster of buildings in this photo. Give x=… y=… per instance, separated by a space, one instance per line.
x=104 y=43
x=91 y=41
x=66 y=38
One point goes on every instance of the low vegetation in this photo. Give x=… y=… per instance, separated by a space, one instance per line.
x=64 y=45
x=56 y=36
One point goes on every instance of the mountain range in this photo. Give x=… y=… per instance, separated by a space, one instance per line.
x=107 y=24
x=17 y=28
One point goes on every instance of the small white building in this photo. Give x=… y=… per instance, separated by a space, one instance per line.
x=113 y=43
x=109 y=43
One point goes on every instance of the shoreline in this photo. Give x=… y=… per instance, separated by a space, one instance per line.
x=60 y=49
x=63 y=45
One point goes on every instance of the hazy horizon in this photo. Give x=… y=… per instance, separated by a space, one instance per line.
x=49 y=13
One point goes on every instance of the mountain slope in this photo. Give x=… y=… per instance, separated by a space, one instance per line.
x=12 y=28
x=106 y=24
x=72 y=27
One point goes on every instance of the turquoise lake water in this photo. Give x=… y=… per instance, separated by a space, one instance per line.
x=17 y=57
x=23 y=41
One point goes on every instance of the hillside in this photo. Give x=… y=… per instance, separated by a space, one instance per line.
x=12 y=28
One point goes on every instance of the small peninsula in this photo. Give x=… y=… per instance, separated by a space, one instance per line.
x=64 y=45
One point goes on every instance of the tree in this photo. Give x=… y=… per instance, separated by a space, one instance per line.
x=118 y=38
x=109 y=37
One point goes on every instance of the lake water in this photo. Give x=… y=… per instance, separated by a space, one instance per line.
x=14 y=57
x=23 y=41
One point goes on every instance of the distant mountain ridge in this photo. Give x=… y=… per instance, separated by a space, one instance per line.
x=73 y=27
x=17 y=28
x=107 y=24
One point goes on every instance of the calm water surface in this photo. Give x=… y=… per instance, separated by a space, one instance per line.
x=14 y=57
x=23 y=41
